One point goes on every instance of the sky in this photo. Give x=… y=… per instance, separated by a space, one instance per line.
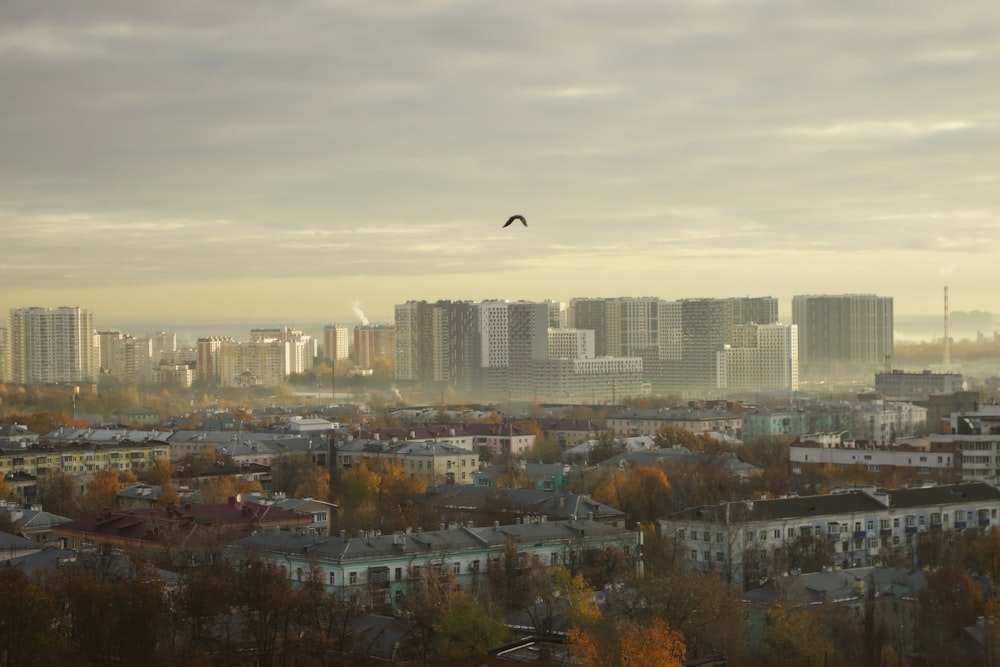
x=309 y=160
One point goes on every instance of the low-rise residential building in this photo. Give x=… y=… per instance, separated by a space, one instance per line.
x=905 y=463
x=892 y=590
x=482 y=505
x=177 y=528
x=976 y=434
x=698 y=421
x=750 y=540
x=439 y=462
x=16 y=436
x=31 y=522
x=550 y=477
x=910 y=386
x=375 y=569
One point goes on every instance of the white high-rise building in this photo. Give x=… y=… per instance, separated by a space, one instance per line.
x=571 y=344
x=762 y=357
x=52 y=345
x=336 y=342
x=494 y=348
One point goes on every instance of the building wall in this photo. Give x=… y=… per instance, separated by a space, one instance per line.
x=52 y=345
x=336 y=343
x=846 y=332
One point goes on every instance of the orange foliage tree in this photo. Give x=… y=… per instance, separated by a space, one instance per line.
x=624 y=643
x=642 y=492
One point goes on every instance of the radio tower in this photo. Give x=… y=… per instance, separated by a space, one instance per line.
x=947 y=349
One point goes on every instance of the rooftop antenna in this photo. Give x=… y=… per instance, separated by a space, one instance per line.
x=947 y=342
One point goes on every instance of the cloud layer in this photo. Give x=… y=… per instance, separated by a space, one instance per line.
x=690 y=148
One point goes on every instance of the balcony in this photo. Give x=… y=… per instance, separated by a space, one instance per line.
x=885 y=532
x=860 y=534
x=960 y=525
x=984 y=522
x=911 y=530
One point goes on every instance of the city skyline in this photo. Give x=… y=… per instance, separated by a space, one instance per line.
x=185 y=163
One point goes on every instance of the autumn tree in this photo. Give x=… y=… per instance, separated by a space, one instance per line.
x=103 y=488
x=949 y=602
x=28 y=612
x=59 y=493
x=451 y=627
x=623 y=643
x=642 y=492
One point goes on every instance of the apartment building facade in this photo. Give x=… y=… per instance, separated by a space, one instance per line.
x=52 y=345
x=753 y=540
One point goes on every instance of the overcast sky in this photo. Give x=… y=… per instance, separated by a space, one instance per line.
x=255 y=160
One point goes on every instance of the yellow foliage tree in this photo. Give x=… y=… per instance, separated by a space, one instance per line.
x=627 y=644
x=102 y=490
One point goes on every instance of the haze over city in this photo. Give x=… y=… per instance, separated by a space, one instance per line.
x=182 y=162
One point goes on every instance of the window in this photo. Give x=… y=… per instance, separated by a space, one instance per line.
x=718 y=536
x=871 y=524
x=707 y=555
x=749 y=536
x=680 y=533
x=883 y=524
x=873 y=543
x=333 y=579
x=354 y=578
x=921 y=520
x=791 y=532
x=398 y=574
x=817 y=531
x=554 y=560
x=456 y=567
x=777 y=533
x=895 y=522
x=718 y=556
x=694 y=555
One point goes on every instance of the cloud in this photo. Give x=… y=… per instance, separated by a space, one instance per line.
x=157 y=143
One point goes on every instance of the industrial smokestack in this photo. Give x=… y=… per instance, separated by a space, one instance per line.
x=947 y=340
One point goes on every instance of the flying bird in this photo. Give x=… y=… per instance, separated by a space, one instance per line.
x=513 y=218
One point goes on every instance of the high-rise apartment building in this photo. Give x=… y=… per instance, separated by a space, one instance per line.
x=571 y=344
x=209 y=370
x=844 y=333
x=130 y=359
x=437 y=343
x=52 y=345
x=264 y=362
x=336 y=342
x=761 y=357
x=302 y=347
x=5 y=375
x=592 y=314
x=373 y=343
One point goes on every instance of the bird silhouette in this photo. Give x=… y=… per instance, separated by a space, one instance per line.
x=513 y=218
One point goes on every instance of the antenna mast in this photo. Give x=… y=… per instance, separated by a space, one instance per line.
x=947 y=340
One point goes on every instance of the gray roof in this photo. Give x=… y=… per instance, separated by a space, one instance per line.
x=784 y=508
x=838 y=585
x=10 y=542
x=941 y=495
x=346 y=550
x=539 y=503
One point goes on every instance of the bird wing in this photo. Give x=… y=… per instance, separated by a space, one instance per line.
x=516 y=217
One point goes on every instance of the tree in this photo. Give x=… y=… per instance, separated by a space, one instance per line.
x=103 y=488
x=623 y=643
x=289 y=470
x=27 y=615
x=59 y=493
